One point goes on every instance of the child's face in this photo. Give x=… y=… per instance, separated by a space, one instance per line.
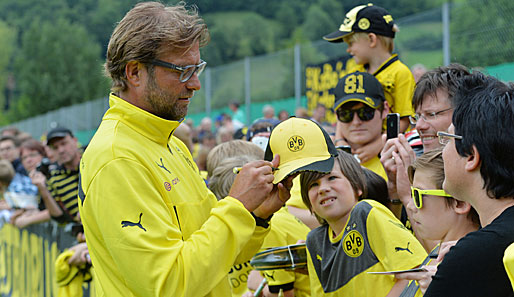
x=358 y=47
x=332 y=196
x=434 y=219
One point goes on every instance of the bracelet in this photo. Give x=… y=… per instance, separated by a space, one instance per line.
x=340 y=139
x=264 y=223
x=395 y=201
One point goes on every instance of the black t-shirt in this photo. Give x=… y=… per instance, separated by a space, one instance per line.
x=474 y=266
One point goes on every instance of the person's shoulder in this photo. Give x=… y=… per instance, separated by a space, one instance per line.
x=317 y=233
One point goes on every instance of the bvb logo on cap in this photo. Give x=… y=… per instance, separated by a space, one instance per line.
x=295 y=143
x=363 y=24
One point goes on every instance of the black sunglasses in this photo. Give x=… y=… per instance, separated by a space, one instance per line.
x=364 y=113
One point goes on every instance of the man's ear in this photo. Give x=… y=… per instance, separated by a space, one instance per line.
x=473 y=160
x=386 y=110
x=133 y=72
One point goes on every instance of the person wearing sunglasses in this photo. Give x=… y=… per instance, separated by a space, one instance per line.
x=360 y=107
x=434 y=214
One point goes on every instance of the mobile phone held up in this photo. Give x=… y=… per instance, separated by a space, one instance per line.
x=393 y=125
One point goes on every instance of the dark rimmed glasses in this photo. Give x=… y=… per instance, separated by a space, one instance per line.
x=186 y=72
x=417 y=195
x=364 y=113
x=428 y=117
x=444 y=137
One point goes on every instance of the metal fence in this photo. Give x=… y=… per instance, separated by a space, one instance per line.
x=465 y=35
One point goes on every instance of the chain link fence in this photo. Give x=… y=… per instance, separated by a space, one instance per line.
x=476 y=39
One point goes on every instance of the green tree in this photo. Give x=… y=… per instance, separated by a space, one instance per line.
x=481 y=33
x=6 y=50
x=57 y=65
x=235 y=35
x=317 y=23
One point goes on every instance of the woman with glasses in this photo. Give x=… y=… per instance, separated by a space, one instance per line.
x=434 y=214
x=32 y=153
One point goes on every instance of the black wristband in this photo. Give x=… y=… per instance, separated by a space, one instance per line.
x=264 y=223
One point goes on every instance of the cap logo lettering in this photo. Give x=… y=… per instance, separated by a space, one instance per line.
x=347 y=21
x=354 y=84
x=388 y=18
x=363 y=24
x=295 y=143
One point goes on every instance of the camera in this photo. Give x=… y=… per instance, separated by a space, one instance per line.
x=44 y=167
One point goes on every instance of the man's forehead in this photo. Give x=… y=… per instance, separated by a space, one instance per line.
x=7 y=142
x=434 y=100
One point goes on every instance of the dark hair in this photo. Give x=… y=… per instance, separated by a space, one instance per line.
x=483 y=116
x=444 y=77
x=350 y=168
x=10 y=138
x=34 y=145
x=377 y=187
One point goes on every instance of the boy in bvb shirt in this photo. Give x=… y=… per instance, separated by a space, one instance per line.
x=369 y=32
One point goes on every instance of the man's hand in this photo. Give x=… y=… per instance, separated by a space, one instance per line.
x=369 y=151
x=424 y=278
x=277 y=198
x=80 y=255
x=38 y=179
x=397 y=151
x=444 y=249
x=253 y=183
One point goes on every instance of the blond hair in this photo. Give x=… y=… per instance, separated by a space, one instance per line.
x=387 y=42
x=231 y=149
x=146 y=31
x=223 y=176
x=6 y=172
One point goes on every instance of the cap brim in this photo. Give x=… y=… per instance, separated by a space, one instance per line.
x=56 y=135
x=336 y=36
x=318 y=164
x=355 y=98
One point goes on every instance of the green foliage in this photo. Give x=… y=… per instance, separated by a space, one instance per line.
x=8 y=35
x=482 y=33
x=238 y=35
x=317 y=23
x=57 y=65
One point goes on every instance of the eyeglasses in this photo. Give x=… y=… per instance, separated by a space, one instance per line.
x=428 y=117
x=444 y=137
x=364 y=113
x=186 y=72
x=417 y=195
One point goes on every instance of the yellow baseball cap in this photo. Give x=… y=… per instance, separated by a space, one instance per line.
x=303 y=145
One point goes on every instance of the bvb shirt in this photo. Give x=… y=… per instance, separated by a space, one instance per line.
x=398 y=84
x=372 y=240
x=153 y=227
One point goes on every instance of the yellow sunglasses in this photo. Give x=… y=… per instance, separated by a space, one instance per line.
x=417 y=195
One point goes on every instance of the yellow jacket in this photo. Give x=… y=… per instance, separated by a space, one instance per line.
x=152 y=226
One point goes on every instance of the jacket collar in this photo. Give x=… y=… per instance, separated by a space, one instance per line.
x=151 y=126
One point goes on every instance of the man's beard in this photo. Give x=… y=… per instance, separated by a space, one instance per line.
x=163 y=104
